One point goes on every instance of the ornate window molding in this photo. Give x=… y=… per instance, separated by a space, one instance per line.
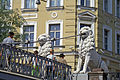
x=85 y=18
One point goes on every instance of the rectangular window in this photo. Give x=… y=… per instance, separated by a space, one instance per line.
x=55 y=3
x=29 y=4
x=118 y=44
x=118 y=8
x=85 y=3
x=106 y=39
x=54 y=32
x=28 y=32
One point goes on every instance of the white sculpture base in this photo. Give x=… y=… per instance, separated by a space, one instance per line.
x=80 y=76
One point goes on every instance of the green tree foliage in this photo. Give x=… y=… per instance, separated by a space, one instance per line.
x=9 y=21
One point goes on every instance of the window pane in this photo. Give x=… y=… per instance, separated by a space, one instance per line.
x=26 y=29
x=88 y=3
x=27 y=4
x=118 y=8
x=52 y=28
x=57 y=42
x=31 y=45
x=106 y=33
x=26 y=36
x=82 y=2
x=8 y=4
x=32 y=29
x=52 y=34
x=57 y=27
x=57 y=34
x=106 y=5
x=58 y=2
x=32 y=36
x=32 y=3
x=52 y=2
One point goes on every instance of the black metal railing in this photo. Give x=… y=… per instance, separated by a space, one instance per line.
x=113 y=75
x=23 y=62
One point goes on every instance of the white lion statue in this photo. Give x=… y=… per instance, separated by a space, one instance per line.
x=45 y=45
x=88 y=57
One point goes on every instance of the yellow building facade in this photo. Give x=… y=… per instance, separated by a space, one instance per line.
x=63 y=18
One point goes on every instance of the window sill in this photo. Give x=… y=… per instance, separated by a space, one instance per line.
x=29 y=9
x=85 y=7
x=54 y=8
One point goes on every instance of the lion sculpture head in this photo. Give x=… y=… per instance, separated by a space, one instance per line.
x=86 y=40
x=45 y=45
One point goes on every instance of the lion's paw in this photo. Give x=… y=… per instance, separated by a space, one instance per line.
x=82 y=72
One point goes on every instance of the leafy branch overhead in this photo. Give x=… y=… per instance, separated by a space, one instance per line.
x=9 y=21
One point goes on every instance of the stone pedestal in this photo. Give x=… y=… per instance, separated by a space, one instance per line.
x=97 y=74
x=80 y=77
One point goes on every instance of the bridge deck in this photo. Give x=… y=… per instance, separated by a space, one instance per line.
x=5 y=75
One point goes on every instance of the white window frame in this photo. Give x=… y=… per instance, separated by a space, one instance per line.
x=116 y=9
x=55 y=22
x=92 y=3
x=35 y=30
x=109 y=37
x=116 y=32
x=48 y=3
x=23 y=4
x=87 y=23
x=109 y=6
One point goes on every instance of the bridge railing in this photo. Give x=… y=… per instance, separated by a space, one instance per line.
x=23 y=62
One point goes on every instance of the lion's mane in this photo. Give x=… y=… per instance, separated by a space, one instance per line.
x=45 y=45
x=86 y=44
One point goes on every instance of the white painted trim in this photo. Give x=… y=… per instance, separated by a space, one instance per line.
x=92 y=15
x=27 y=16
x=109 y=37
x=11 y=4
x=22 y=4
x=54 y=14
x=116 y=32
x=35 y=4
x=55 y=22
x=61 y=3
x=48 y=3
x=92 y=3
x=78 y=2
x=35 y=29
x=84 y=22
